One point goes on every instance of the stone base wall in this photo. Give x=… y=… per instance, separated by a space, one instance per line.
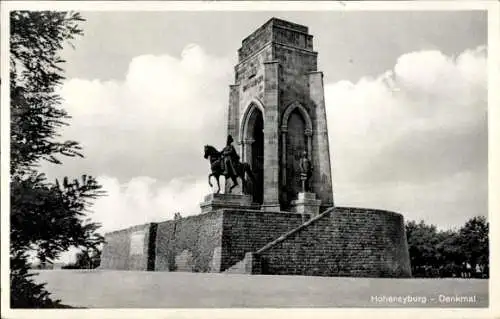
x=246 y=231
x=339 y=242
x=343 y=242
x=215 y=241
x=209 y=242
x=130 y=249
x=190 y=244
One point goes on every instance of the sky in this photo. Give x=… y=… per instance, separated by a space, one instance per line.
x=406 y=103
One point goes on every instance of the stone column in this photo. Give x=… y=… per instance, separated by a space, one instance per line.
x=284 y=132
x=246 y=150
x=242 y=150
x=271 y=140
x=322 y=176
x=308 y=134
x=233 y=112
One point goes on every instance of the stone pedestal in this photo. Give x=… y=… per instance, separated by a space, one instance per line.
x=306 y=203
x=235 y=201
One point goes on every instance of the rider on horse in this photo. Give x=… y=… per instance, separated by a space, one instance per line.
x=227 y=163
x=229 y=158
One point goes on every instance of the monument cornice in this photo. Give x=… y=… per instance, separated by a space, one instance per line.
x=293 y=30
x=267 y=44
x=311 y=52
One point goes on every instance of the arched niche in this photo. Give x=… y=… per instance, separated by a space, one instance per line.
x=252 y=144
x=297 y=109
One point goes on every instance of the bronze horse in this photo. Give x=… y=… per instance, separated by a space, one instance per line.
x=216 y=165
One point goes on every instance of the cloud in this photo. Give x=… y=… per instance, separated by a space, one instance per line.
x=144 y=200
x=155 y=121
x=414 y=139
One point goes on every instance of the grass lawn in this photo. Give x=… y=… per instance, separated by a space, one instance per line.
x=134 y=289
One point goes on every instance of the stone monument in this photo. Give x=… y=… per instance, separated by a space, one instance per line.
x=277 y=214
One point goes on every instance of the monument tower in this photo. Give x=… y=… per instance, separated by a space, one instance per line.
x=277 y=112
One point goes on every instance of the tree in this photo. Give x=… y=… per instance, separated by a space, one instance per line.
x=422 y=241
x=46 y=217
x=447 y=253
x=86 y=259
x=474 y=240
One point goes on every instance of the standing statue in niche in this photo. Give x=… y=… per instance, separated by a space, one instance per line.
x=227 y=163
x=305 y=172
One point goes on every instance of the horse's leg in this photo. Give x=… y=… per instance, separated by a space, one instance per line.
x=209 y=182
x=241 y=175
x=218 y=184
x=235 y=183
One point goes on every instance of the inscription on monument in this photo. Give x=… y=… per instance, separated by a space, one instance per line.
x=253 y=82
x=137 y=243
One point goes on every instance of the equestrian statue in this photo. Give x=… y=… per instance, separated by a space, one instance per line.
x=227 y=163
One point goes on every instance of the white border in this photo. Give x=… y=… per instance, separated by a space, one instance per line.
x=250 y=5
x=493 y=8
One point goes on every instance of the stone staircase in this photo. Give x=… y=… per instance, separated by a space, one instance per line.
x=252 y=264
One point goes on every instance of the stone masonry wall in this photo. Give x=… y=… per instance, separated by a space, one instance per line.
x=322 y=175
x=129 y=249
x=190 y=244
x=233 y=114
x=249 y=76
x=255 y=41
x=247 y=231
x=347 y=242
x=271 y=133
x=276 y=30
x=293 y=82
x=210 y=242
